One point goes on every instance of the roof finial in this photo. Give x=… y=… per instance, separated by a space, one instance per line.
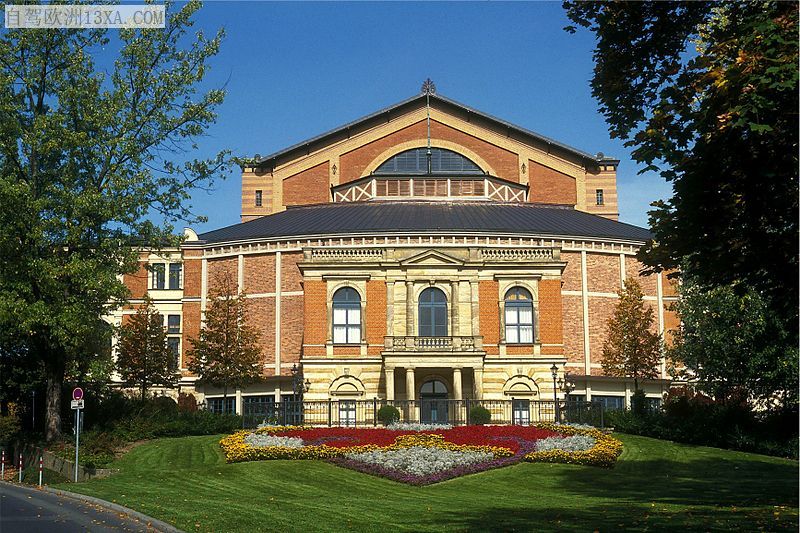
x=428 y=87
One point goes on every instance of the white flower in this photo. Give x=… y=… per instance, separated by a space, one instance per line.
x=415 y=426
x=420 y=460
x=573 y=443
x=261 y=440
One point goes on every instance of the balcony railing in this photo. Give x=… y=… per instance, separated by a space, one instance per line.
x=434 y=344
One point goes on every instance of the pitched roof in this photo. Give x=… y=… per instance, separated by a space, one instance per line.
x=409 y=104
x=392 y=217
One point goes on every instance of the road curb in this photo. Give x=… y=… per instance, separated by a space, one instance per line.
x=157 y=525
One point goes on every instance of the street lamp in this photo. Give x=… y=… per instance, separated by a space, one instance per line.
x=298 y=385
x=554 y=373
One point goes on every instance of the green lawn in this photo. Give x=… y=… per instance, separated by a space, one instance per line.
x=656 y=485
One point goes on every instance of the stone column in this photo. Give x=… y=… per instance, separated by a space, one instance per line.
x=389 y=370
x=410 y=309
x=454 y=309
x=457 y=392
x=410 y=386
x=478 y=378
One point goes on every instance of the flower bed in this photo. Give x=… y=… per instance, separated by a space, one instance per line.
x=429 y=455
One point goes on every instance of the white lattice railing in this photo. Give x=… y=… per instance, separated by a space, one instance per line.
x=529 y=254
x=348 y=254
x=434 y=344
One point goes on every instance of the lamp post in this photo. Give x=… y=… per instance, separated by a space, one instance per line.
x=554 y=373
x=299 y=387
x=567 y=386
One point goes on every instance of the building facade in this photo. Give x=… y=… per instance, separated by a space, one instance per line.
x=427 y=250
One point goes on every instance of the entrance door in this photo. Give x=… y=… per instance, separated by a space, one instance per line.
x=433 y=402
x=522 y=412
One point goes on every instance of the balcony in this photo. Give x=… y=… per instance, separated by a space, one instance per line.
x=434 y=344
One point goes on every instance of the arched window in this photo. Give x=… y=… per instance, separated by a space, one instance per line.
x=519 y=316
x=346 y=316
x=432 y=313
x=415 y=161
x=433 y=386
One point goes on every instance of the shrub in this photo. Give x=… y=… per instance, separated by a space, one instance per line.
x=164 y=404
x=187 y=403
x=9 y=427
x=639 y=402
x=388 y=414
x=479 y=415
x=697 y=419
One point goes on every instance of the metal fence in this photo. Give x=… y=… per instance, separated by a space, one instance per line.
x=363 y=413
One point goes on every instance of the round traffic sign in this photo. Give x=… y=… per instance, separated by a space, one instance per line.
x=77 y=393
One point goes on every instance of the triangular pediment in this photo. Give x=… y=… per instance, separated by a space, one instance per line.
x=431 y=258
x=401 y=116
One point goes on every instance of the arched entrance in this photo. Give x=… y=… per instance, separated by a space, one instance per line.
x=433 y=402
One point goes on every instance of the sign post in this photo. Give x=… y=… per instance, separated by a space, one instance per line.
x=77 y=405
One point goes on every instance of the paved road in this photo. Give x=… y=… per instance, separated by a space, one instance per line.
x=23 y=510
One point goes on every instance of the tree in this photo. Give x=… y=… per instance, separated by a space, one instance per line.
x=91 y=144
x=631 y=348
x=731 y=343
x=143 y=356
x=226 y=354
x=706 y=94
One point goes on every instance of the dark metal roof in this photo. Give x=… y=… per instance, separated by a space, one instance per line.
x=408 y=216
x=385 y=114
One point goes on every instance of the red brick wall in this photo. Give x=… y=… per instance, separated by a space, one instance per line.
x=262 y=317
x=549 y=186
x=503 y=162
x=219 y=269
x=632 y=269
x=489 y=314
x=259 y=273
x=600 y=312
x=316 y=312
x=291 y=278
x=291 y=329
x=191 y=327
x=602 y=272
x=192 y=273
x=376 y=315
x=550 y=312
x=572 y=272
x=137 y=281
x=310 y=186
x=573 y=328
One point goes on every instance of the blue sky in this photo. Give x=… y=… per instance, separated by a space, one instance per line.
x=294 y=70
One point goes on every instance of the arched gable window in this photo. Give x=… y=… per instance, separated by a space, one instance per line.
x=346 y=316
x=519 y=316
x=432 y=313
x=415 y=161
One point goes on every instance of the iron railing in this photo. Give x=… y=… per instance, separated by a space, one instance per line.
x=364 y=413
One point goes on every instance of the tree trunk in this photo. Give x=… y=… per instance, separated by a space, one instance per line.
x=225 y=400
x=52 y=419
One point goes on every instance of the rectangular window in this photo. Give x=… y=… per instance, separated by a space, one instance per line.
x=159 y=275
x=347 y=325
x=610 y=403
x=175 y=270
x=173 y=323
x=220 y=406
x=380 y=188
x=466 y=187
x=174 y=344
x=599 y=196
x=259 y=198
